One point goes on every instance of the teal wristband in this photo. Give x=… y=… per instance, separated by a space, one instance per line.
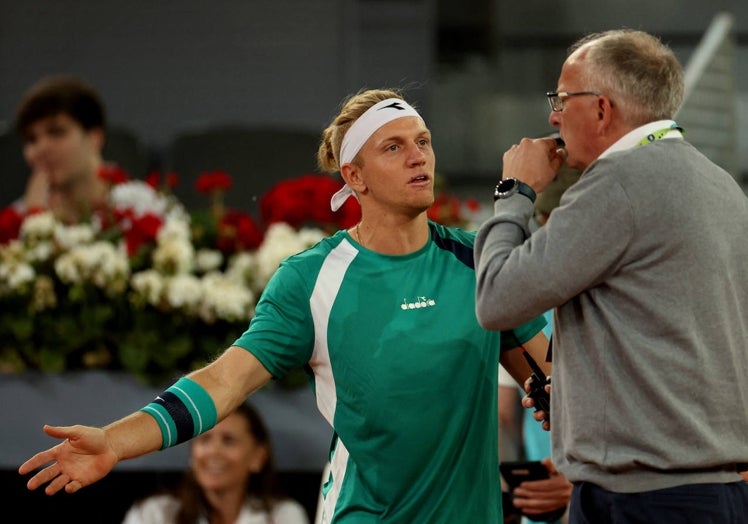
x=182 y=412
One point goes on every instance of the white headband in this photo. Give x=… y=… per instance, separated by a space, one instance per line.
x=375 y=117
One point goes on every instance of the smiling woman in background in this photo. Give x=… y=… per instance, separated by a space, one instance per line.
x=231 y=480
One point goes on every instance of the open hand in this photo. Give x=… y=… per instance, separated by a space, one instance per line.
x=82 y=458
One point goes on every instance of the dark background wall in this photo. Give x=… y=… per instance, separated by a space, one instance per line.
x=166 y=66
x=477 y=69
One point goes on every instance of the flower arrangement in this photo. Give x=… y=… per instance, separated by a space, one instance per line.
x=145 y=286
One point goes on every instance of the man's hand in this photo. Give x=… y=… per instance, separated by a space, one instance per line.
x=529 y=403
x=533 y=161
x=82 y=458
x=37 y=193
x=535 y=497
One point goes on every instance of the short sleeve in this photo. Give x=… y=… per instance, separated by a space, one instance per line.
x=520 y=335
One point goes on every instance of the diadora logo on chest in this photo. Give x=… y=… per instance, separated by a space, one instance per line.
x=418 y=303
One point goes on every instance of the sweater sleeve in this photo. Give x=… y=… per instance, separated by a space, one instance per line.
x=571 y=253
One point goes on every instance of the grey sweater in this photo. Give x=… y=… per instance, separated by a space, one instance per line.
x=646 y=264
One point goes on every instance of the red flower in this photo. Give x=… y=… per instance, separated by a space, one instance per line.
x=138 y=231
x=10 y=224
x=172 y=179
x=237 y=232
x=113 y=173
x=445 y=209
x=472 y=204
x=143 y=230
x=153 y=179
x=213 y=180
x=305 y=200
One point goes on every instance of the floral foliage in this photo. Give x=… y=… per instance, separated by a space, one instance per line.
x=146 y=286
x=305 y=200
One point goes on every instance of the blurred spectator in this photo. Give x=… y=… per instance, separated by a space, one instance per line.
x=61 y=121
x=231 y=480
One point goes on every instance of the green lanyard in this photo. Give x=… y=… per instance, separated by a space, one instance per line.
x=659 y=134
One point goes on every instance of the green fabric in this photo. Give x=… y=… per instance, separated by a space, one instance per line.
x=401 y=370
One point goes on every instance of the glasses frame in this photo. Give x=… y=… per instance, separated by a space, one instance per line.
x=556 y=98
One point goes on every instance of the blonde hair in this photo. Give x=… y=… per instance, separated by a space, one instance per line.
x=328 y=155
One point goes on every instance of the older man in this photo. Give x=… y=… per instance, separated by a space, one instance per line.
x=645 y=263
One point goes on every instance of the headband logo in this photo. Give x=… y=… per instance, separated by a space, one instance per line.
x=396 y=105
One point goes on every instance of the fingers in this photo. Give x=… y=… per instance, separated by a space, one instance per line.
x=57 y=484
x=43 y=476
x=540 y=415
x=52 y=475
x=548 y=463
x=540 y=496
x=73 y=486
x=36 y=461
x=61 y=432
x=49 y=455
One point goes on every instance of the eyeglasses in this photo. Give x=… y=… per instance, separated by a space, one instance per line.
x=556 y=100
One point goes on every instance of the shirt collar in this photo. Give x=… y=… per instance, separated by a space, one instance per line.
x=633 y=137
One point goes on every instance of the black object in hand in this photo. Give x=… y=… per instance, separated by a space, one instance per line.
x=538 y=393
x=515 y=473
x=538 y=381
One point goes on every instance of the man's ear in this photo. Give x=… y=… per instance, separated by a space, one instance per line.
x=352 y=176
x=604 y=109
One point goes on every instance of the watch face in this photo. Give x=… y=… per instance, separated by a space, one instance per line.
x=507 y=185
x=505 y=188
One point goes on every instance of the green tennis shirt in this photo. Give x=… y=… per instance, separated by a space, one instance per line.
x=401 y=370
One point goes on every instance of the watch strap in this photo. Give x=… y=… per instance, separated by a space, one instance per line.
x=526 y=190
x=517 y=187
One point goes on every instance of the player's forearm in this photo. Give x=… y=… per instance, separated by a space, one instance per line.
x=134 y=435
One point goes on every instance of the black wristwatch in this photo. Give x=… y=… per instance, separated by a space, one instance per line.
x=508 y=186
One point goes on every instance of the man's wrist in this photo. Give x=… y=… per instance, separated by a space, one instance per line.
x=509 y=186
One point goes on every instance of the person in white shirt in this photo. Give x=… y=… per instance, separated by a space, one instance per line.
x=231 y=480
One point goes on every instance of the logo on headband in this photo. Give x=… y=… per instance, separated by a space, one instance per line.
x=396 y=105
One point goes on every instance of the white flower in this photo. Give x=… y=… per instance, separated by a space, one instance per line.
x=174 y=256
x=148 y=284
x=226 y=299
x=139 y=197
x=208 y=260
x=39 y=226
x=173 y=228
x=69 y=236
x=37 y=233
x=309 y=236
x=15 y=274
x=15 y=268
x=184 y=291
x=100 y=263
x=281 y=241
x=41 y=250
x=241 y=268
x=22 y=275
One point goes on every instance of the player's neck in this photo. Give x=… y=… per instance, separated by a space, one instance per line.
x=391 y=235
